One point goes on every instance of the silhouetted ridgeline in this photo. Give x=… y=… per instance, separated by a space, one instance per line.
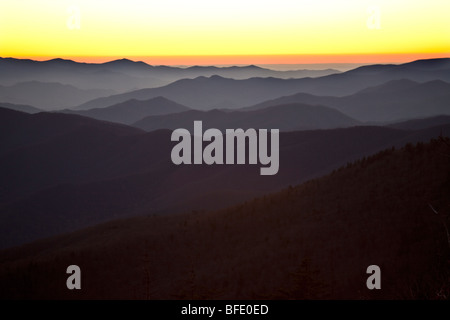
x=310 y=241
x=125 y=75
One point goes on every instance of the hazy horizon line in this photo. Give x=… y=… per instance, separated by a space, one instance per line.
x=296 y=59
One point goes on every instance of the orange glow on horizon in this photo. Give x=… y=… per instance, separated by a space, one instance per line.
x=257 y=59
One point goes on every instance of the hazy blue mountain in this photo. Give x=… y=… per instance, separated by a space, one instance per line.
x=383 y=104
x=289 y=117
x=132 y=110
x=208 y=93
x=333 y=101
x=394 y=100
x=352 y=81
x=48 y=96
x=20 y=107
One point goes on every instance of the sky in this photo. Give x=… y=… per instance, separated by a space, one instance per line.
x=226 y=32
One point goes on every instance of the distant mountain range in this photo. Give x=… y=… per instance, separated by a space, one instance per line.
x=124 y=75
x=59 y=84
x=132 y=110
x=391 y=101
x=288 y=117
x=61 y=172
x=218 y=92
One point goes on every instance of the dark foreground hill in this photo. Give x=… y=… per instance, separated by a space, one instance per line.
x=312 y=241
x=60 y=173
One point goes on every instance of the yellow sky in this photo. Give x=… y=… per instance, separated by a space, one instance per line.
x=287 y=29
